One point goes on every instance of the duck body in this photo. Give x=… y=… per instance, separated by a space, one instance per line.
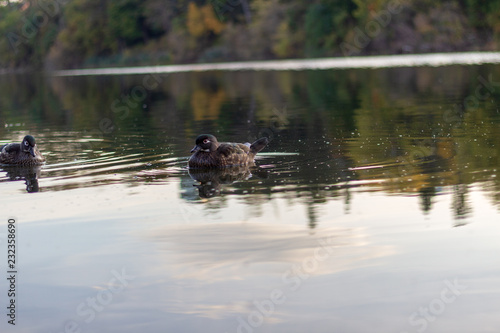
x=210 y=154
x=25 y=153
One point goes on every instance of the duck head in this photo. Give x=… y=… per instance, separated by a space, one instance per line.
x=28 y=145
x=205 y=143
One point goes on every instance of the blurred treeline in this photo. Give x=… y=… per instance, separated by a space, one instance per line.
x=86 y=33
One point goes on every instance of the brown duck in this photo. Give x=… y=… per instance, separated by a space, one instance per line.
x=209 y=153
x=22 y=154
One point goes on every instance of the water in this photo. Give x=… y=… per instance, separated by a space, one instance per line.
x=373 y=209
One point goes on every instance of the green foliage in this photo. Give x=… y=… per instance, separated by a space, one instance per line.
x=11 y=48
x=86 y=33
x=484 y=15
x=477 y=10
x=326 y=24
x=28 y=32
x=318 y=26
x=126 y=20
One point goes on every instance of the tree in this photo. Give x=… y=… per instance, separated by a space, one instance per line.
x=126 y=21
x=201 y=21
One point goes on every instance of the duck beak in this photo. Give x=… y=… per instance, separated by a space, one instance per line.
x=195 y=149
x=32 y=152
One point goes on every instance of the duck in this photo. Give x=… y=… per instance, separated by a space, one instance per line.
x=25 y=153
x=208 y=153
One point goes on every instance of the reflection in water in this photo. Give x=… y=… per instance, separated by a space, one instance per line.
x=461 y=208
x=107 y=168
x=405 y=130
x=426 y=195
x=371 y=162
x=238 y=253
x=29 y=174
x=212 y=179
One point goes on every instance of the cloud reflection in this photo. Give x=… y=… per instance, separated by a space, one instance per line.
x=241 y=262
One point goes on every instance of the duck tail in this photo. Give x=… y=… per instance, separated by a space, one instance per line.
x=258 y=146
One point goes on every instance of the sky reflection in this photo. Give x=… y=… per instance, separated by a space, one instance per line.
x=404 y=194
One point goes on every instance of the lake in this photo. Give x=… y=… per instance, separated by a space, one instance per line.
x=374 y=208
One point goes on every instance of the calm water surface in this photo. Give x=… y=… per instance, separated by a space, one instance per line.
x=374 y=208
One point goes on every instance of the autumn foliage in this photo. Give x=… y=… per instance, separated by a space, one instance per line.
x=89 y=33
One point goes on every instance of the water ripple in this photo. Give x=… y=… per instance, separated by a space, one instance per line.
x=111 y=169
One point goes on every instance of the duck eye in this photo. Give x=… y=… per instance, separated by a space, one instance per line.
x=26 y=143
x=206 y=141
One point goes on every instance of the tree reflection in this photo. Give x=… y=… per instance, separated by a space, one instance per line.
x=392 y=130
